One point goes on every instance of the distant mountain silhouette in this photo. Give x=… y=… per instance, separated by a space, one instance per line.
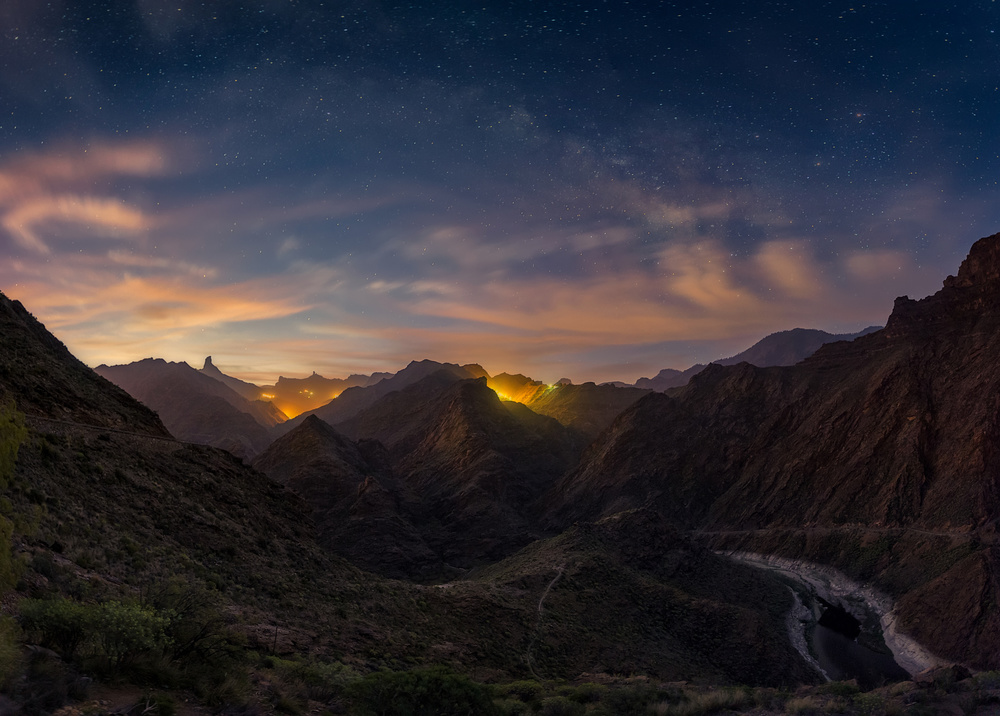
x=353 y=400
x=669 y=378
x=790 y=347
x=776 y=349
x=195 y=407
x=249 y=391
x=294 y=395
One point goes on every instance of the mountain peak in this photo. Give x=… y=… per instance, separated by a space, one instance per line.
x=981 y=267
x=962 y=296
x=208 y=363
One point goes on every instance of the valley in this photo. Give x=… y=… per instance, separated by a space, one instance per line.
x=502 y=538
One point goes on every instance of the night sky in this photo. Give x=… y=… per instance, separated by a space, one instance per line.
x=586 y=190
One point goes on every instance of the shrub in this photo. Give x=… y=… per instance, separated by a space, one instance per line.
x=512 y=707
x=840 y=688
x=529 y=692
x=869 y=704
x=59 y=624
x=802 y=705
x=12 y=434
x=316 y=681
x=708 y=702
x=587 y=693
x=10 y=652
x=561 y=706
x=127 y=630
x=421 y=692
x=636 y=699
x=987 y=680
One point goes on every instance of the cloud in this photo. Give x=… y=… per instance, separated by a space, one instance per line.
x=288 y=246
x=44 y=195
x=106 y=218
x=789 y=267
x=127 y=258
x=876 y=265
x=79 y=167
x=702 y=274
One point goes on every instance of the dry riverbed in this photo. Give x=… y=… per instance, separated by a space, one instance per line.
x=870 y=607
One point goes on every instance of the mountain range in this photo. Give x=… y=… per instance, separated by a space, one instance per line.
x=244 y=418
x=511 y=529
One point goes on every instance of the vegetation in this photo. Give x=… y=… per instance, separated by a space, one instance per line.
x=12 y=434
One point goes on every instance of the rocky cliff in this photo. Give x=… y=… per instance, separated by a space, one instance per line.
x=897 y=431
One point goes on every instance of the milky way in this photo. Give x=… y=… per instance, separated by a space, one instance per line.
x=592 y=190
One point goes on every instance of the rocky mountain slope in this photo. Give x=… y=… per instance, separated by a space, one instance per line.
x=896 y=431
x=588 y=408
x=47 y=381
x=456 y=474
x=353 y=497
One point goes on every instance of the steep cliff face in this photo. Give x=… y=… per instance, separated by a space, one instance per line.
x=897 y=430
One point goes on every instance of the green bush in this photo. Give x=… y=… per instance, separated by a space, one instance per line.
x=586 y=693
x=421 y=692
x=315 y=681
x=114 y=634
x=840 y=688
x=10 y=652
x=512 y=707
x=561 y=706
x=12 y=434
x=636 y=699
x=59 y=624
x=529 y=692
x=869 y=704
x=126 y=630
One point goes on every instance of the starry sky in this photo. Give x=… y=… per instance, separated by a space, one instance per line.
x=593 y=190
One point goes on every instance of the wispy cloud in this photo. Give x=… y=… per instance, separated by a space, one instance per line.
x=237 y=273
x=27 y=221
x=66 y=192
